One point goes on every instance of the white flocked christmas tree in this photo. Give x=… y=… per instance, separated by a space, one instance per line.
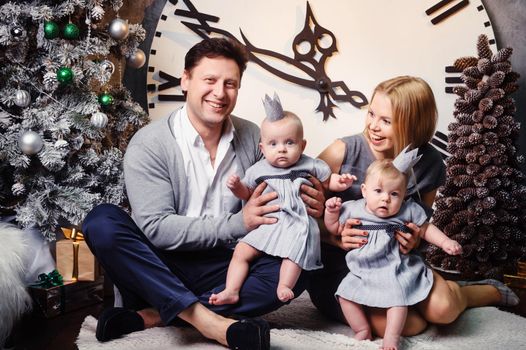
x=65 y=118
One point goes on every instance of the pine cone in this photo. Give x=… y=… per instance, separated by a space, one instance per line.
x=485 y=104
x=464 y=107
x=502 y=55
x=472 y=96
x=483 y=48
x=465 y=62
x=474 y=72
x=502 y=67
x=460 y=90
x=498 y=110
x=496 y=79
x=495 y=94
x=493 y=184
x=490 y=138
x=484 y=66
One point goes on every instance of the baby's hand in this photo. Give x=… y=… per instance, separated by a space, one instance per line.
x=452 y=247
x=345 y=181
x=333 y=205
x=233 y=181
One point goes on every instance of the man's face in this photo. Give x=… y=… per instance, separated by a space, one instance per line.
x=211 y=91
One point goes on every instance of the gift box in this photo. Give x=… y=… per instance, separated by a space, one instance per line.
x=75 y=262
x=57 y=300
x=519 y=280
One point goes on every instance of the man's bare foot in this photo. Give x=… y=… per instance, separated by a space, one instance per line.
x=363 y=335
x=285 y=293
x=224 y=297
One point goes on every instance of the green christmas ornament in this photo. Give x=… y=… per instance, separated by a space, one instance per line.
x=50 y=30
x=70 y=31
x=65 y=75
x=105 y=99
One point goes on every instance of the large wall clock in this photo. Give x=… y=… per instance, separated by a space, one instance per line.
x=322 y=57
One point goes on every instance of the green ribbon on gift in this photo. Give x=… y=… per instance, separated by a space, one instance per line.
x=52 y=279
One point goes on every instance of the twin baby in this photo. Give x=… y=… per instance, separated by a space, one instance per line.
x=379 y=275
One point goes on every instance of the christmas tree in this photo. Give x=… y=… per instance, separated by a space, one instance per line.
x=65 y=118
x=483 y=202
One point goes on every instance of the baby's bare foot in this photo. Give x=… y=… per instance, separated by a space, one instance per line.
x=224 y=297
x=285 y=293
x=390 y=342
x=363 y=335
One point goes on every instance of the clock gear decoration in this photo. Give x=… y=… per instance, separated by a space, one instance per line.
x=61 y=151
x=311 y=63
x=483 y=202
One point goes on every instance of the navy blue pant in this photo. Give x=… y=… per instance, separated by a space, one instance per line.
x=324 y=282
x=171 y=281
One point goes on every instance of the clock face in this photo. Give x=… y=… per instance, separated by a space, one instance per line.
x=322 y=57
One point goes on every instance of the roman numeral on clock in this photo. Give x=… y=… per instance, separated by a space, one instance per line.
x=452 y=10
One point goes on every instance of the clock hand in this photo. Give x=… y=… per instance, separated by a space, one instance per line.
x=313 y=37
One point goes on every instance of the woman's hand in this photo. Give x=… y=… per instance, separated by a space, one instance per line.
x=352 y=238
x=313 y=197
x=408 y=241
x=256 y=207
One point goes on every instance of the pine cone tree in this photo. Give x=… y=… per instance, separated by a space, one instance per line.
x=482 y=204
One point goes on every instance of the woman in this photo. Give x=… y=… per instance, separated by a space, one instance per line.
x=402 y=112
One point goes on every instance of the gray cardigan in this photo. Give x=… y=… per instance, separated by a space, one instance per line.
x=156 y=185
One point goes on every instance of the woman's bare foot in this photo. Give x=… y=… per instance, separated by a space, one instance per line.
x=284 y=293
x=224 y=297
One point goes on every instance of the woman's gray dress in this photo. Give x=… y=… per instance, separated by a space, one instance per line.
x=380 y=275
x=296 y=235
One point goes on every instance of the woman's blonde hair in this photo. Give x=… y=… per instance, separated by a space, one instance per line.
x=414 y=110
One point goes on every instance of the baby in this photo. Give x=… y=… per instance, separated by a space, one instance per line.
x=295 y=236
x=379 y=275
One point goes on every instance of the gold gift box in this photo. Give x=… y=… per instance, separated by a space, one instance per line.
x=519 y=280
x=75 y=262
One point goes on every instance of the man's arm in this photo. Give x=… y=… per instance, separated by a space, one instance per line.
x=153 y=190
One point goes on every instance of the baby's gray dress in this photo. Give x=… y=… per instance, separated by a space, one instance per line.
x=379 y=275
x=296 y=235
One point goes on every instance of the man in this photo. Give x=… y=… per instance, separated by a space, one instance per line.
x=174 y=254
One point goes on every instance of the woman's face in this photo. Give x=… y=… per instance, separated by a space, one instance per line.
x=379 y=126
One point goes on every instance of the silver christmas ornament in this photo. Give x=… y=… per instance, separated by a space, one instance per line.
x=107 y=66
x=119 y=29
x=137 y=60
x=22 y=98
x=99 y=120
x=30 y=143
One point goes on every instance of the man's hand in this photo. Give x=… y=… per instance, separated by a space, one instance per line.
x=313 y=197
x=408 y=241
x=255 y=209
x=351 y=237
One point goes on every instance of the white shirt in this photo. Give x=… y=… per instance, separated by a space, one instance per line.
x=206 y=184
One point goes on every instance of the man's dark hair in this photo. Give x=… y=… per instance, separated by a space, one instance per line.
x=217 y=47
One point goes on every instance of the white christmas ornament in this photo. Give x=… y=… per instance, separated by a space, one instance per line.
x=99 y=120
x=119 y=29
x=22 y=98
x=30 y=143
x=137 y=60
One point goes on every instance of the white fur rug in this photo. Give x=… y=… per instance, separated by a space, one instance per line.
x=299 y=326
